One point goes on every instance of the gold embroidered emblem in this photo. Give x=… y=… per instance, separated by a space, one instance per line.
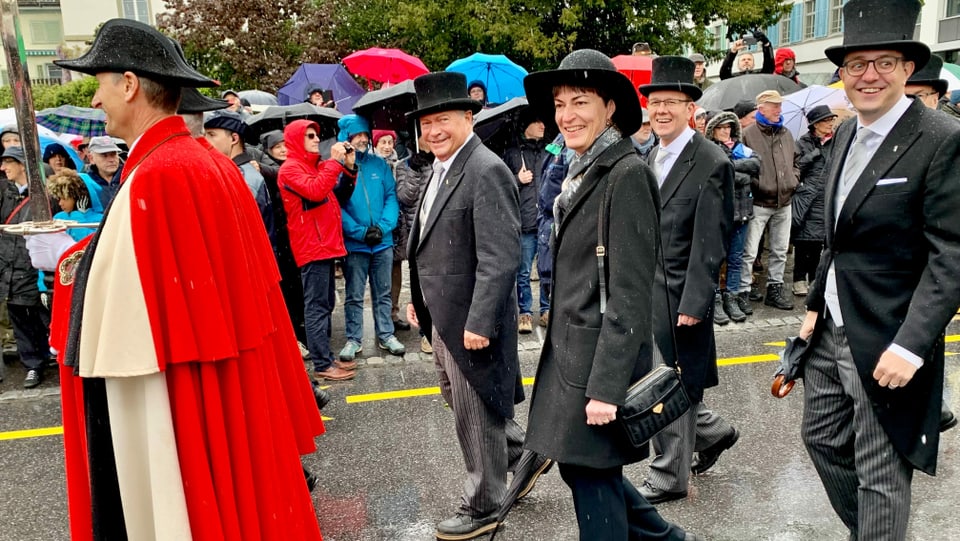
x=68 y=268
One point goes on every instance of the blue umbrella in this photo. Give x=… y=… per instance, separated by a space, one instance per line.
x=502 y=77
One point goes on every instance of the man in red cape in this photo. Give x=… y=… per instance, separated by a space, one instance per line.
x=185 y=402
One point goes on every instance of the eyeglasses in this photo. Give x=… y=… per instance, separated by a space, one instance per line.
x=653 y=104
x=884 y=64
x=312 y=135
x=924 y=95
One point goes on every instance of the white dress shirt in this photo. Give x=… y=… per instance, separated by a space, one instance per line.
x=881 y=128
x=673 y=149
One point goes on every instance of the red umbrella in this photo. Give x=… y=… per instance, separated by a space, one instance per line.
x=385 y=65
x=637 y=68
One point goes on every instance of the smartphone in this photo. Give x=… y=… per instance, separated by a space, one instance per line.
x=328 y=94
x=749 y=40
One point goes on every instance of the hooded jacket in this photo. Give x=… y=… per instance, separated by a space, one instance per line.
x=374 y=203
x=781 y=55
x=307 y=191
x=746 y=166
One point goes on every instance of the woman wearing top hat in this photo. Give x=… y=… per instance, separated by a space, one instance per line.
x=590 y=357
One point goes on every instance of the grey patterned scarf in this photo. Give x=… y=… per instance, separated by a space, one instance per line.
x=578 y=168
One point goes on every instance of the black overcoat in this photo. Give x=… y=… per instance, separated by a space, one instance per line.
x=696 y=217
x=588 y=355
x=463 y=273
x=896 y=254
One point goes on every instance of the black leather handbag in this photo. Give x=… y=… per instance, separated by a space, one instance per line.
x=657 y=399
x=652 y=403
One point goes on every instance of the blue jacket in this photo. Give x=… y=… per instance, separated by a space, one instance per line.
x=374 y=202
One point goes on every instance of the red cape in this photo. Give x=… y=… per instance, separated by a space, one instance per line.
x=243 y=410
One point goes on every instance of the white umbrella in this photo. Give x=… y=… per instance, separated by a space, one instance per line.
x=953 y=82
x=797 y=104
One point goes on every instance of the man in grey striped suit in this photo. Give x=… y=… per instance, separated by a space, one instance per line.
x=887 y=285
x=464 y=252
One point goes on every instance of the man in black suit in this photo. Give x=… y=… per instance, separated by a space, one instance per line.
x=696 y=197
x=887 y=282
x=464 y=253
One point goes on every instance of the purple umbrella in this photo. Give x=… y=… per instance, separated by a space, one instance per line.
x=331 y=77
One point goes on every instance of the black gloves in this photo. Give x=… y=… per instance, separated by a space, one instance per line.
x=373 y=236
x=761 y=37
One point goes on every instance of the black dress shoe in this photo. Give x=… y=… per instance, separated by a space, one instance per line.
x=656 y=495
x=947 y=421
x=709 y=456
x=321 y=395
x=540 y=466
x=462 y=527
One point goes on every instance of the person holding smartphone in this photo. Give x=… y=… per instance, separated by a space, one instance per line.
x=744 y=57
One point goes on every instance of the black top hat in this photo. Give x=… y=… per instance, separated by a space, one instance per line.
x=586 y=68
x=672 y=73
x=193 y=102
x=880 y=25
x=818 y=113
x=126 y=45
x=443 y=91
x=930 y=75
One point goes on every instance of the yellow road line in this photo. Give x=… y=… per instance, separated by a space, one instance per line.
x=949 y=339
x=748 y=359
x=31 y=433
x=405 y=393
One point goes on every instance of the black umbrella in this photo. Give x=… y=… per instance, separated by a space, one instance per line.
x=276 y=117
x=387 y=108
x=724 y=95
x=792 y=359
x=498 y=127
x=529 y=468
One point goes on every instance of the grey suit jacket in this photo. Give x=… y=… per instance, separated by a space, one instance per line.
x=463 y=272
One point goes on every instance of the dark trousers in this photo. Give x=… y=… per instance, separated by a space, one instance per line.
x=319 y=296
x=30 y=331
x=806 y=257
x=609 y=508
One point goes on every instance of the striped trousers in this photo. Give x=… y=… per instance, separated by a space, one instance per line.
x=491 y=444
x=674 y=446
x=866 y=479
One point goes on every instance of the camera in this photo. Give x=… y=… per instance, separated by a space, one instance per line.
x=749 y=40
x=348 y=148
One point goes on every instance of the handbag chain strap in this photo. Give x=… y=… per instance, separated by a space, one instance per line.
x=603 y=224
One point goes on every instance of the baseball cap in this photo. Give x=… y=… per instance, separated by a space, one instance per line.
x=697 y=57
x=744 y=108
x=769 y=96
x=102 y=145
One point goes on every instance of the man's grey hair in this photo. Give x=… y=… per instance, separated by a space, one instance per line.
x=194 y=123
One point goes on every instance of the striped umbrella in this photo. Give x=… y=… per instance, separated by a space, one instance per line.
x=76 y=120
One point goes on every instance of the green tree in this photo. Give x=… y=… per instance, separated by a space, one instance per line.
x=538 y=33
x=79 y=93
x=252 y=43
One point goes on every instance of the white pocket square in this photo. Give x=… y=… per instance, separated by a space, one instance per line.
x=888 y=181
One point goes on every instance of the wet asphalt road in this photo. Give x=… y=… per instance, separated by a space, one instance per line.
x=391 y=468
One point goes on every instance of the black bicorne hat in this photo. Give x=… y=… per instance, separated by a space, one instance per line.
x=672 y=73
x=879 y=25
x=930 y=75
x=193 y=102
x=442 y=91
x=126 y=45
x=586 y=68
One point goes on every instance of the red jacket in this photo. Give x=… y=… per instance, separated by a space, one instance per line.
x=313 y=213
